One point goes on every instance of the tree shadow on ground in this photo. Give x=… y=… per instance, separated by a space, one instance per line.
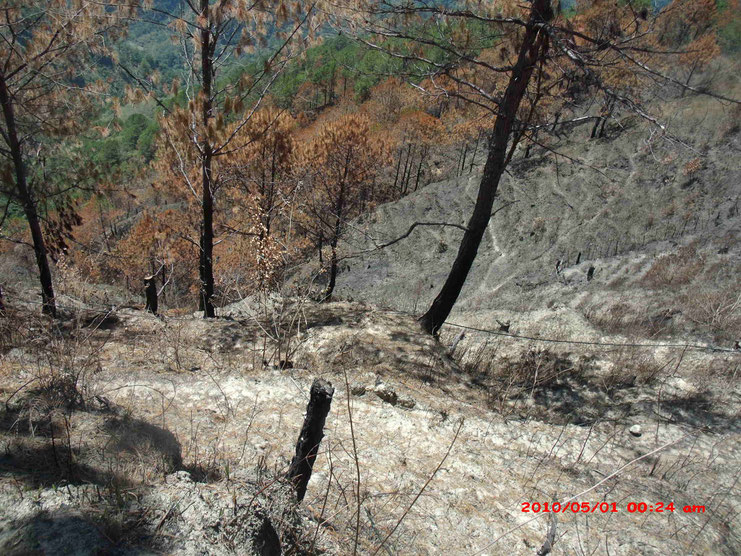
x=69 y=533
x=584 y=404
x=562 y=389
x=42 y=448
x=93 y=474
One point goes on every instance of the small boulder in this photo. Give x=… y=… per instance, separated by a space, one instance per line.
x=358 y=389
x=386 y=393
x=391 y=397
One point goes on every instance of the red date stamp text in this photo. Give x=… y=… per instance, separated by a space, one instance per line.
x=608 y=507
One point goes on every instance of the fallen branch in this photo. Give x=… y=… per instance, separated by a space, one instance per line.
x=415 y=225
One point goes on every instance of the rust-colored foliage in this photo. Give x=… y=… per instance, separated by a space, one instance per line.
x=158 y=241
x=340 y=163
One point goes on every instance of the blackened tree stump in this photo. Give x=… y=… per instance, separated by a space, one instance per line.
x=150 y=293
x=311 y=436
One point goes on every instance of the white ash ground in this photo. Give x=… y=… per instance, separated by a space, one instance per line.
x=203 y=382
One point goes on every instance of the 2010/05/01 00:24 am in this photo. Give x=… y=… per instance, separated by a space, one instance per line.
x=608 y=507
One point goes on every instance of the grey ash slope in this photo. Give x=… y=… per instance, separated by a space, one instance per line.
x=631 y=197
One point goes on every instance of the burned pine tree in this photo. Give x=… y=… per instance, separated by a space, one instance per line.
x=539 y=63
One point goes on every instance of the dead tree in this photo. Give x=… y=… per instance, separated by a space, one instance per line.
x=533 y=49
x=590 y=274
x=150 y=293
x=312 y=432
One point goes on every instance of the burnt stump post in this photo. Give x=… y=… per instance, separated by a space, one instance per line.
x=150 y=293
x=312 y=432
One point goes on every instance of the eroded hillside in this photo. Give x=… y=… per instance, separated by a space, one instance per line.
x=178 y=434
x=657 y=217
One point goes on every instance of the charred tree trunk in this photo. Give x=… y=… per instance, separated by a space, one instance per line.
x=332 y=271
x=398 y=167
x=475 y=152
x=333 y=244
x=206 y=264
x=422 y=157
x=534 y=47
x=463 y=159
x=604 y=120
x=312 y=432
x=689 y=78
x=25 y=195
x=339 y=209
x=405 y=174
x=150 y=293
x=595 y=127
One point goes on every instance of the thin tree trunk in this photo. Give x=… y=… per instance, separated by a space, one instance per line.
x=332 y=271
x=595 y=127
x=475 y=152
x=610 y=106
x=689 y=78
x=422 y=157
x=334 y=241
x=405 y=173
x=29 y=203
x=164 y=279
x=205 y=267
x=534 y=46
x=463 y=160
x=398 y=166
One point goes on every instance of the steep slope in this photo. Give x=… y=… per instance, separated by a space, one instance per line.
x=616 y=203
x=185 y=433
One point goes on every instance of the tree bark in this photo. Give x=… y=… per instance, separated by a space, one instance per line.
x=312 y=432
x=333 y=243
x=463 y=160
x=332 y=272
x=422 y=156
x=206 y=265
x=475 y=151
x=25 y=194
x=150 y=294
x=405 y=175
x=339 y=209
x=398 y=167
x=534 y=46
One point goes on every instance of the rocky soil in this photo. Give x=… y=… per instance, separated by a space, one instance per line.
x=185 y=432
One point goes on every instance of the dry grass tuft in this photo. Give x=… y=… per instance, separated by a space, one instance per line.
x=675 y=269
